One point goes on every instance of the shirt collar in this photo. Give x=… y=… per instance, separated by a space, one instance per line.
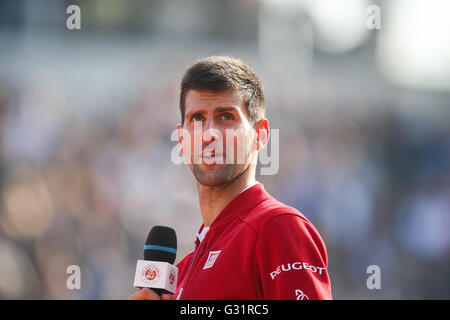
x=248 y=187
x=245 y=200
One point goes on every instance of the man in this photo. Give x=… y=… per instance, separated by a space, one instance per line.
x=250 y=246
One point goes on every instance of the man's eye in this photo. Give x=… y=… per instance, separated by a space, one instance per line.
x=226 y=116
x=197 y=117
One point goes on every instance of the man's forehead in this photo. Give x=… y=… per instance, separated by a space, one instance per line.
x=206 y=99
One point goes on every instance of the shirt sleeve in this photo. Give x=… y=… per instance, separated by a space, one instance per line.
x=292 y=260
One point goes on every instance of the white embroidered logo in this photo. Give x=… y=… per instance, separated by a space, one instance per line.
x=211 y=259
x=300 y=295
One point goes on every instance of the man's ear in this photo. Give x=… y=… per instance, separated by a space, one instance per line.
x=180 y=139
x=262 y=134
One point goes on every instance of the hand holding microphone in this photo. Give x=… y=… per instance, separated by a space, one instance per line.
x=155 y=276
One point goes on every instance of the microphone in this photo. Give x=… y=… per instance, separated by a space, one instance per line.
x=156 y=270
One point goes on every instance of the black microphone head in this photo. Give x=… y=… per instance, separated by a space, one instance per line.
x=161 y=245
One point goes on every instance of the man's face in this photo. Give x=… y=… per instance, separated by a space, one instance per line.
x=217 y=138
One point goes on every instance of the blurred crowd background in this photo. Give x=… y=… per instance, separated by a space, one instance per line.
x=86 y=118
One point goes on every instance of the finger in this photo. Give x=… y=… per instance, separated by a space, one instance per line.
x=144 y=294
x=166 y=296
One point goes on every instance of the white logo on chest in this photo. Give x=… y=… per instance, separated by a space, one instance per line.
x=212 y=257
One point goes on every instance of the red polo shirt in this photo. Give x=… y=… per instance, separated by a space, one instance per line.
x=256 y=248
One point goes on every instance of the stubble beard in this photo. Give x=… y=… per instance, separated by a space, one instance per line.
x=221 y=175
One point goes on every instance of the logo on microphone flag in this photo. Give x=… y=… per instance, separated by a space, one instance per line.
x=150 y=274
x=171 y=277
x=156 y=274
x=212 y=257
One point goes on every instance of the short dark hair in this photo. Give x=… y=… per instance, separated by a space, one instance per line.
x=219 y=73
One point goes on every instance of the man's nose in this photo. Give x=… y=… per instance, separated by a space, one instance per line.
x=209 y=129
x=208 y=123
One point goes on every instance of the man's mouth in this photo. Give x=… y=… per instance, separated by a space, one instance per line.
x=211 y=156
x=211 y=153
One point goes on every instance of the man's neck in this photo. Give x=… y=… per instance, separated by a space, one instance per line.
x=214 y=199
